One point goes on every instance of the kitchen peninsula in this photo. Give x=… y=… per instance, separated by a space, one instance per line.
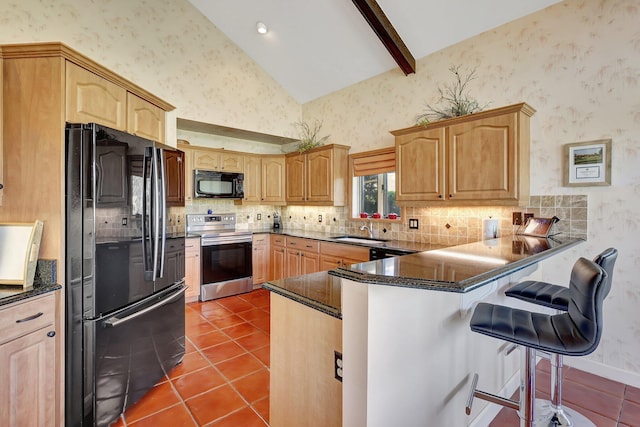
x=399 y=328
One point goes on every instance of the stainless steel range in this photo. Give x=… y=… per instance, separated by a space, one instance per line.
x=226 y=255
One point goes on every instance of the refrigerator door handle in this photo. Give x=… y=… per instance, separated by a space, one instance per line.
x=163 y=204
x=115 y=320
x=149 y=272
x=156 y=214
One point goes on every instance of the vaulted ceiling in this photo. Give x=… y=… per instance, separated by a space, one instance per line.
x=316 y=47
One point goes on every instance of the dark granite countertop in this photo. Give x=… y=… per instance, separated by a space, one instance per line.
x=455 y=269
x=317 y=290
x=401 y=245
x=458 y=268
x=11 y=294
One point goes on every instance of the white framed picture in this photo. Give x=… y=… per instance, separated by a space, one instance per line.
x=587 y=163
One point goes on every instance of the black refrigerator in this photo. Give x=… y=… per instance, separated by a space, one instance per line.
x=124 y=298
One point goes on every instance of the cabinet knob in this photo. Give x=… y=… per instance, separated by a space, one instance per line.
x=451 y=196
x=1 y=186
x=51 y=334
x=439 y=196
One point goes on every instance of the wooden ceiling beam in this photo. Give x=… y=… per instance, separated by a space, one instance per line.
x=381 y=25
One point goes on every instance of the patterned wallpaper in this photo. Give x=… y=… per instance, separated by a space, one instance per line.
x=166 y=47
x=578 y=64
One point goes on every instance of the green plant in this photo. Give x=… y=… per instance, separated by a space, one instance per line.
x=456 y=101
x=309 y=136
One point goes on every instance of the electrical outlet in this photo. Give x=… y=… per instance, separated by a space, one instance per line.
x=413 y=223
x=516 y=218
x=258 y=217
x=337 y=365
x=319 y=218
x=124 y=222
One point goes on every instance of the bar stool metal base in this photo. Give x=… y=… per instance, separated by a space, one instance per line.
x=547 y=416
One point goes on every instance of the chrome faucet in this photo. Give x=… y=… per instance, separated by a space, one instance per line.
x=369 y=228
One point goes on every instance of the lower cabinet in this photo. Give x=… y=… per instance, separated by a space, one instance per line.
x=303 y=387
x=277 y=258
x=260 y=259
x=301 y=256
x=193 y=265
x=28 y=386
x=334 y=255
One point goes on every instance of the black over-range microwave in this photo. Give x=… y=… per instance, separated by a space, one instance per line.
x=222 y=185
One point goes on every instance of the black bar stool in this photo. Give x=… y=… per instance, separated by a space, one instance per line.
x=575 y=332
x=557 y=297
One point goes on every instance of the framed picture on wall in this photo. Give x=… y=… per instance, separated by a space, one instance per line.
x=587 y=163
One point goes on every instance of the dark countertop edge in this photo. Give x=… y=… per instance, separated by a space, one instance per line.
x=463 y=286
x=24 y=295
x=316 y=305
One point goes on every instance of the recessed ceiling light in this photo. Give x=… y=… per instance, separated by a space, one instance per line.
x=261 y=27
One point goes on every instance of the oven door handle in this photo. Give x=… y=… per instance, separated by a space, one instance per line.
x=116 y=321
x=225 y=241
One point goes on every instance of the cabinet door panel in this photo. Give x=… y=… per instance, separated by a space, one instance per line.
x=252 y=178
x=174 y=173
x=111 y=171
x=273 y=179
x=192 y=268
x=205 y=159
x=295 y=179
x=92 y=99
x=277 y=263
x=144 y=119
x=231 y=162
x=481 y=159
x=319 y=176
x=27 y=380
x=420 y=166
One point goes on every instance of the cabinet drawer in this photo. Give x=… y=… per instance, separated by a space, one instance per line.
x=303 y=244
x=26 y=317
x=261 y=239
x=277 y=240
x=345 y=251
x=192 y=246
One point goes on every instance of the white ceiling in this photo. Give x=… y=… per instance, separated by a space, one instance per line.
x=315 y=47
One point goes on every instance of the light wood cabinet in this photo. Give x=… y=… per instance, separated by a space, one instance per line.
x=264 y=178
x=477 y=159
x=317 y=177
x=260 y=259
x=334 y=255
x=28 y=356
x=277 y=261
x=174 y=175
x=93 y=99
x=303 y=387
x=301 y=256
x=217 y=160
x=193 y=264
x=145 y=119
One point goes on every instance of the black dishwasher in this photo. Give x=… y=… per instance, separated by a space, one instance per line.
x=381 y=253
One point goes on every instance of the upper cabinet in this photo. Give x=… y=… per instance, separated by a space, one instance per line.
x=217 y=160
x=174 y=177
x=264 y=179
x=478 y=159
x=93 y=99
x=317 y=177
x=144 y=119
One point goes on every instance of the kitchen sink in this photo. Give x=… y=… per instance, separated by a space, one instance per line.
x=361 y=240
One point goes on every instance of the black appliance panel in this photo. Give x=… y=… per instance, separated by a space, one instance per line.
x=226 y=261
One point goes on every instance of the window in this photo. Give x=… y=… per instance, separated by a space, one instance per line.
x=374 y=184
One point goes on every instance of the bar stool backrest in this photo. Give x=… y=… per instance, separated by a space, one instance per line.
x=587 y=289
x=607 y=259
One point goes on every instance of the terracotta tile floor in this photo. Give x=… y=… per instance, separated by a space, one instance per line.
x=606 y=403
x=224 y=378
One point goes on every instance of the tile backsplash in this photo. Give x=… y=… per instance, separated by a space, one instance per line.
x=438 y=225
